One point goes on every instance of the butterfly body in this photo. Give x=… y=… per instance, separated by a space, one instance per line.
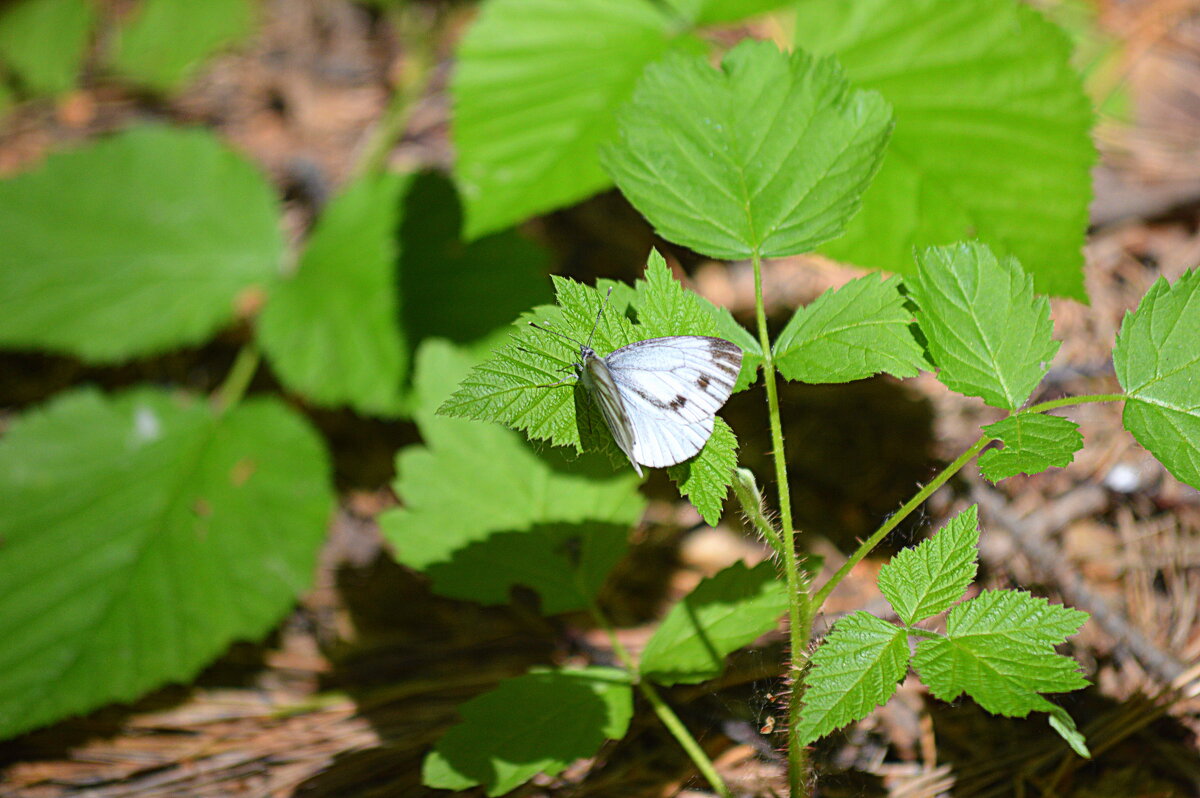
x=659 y=396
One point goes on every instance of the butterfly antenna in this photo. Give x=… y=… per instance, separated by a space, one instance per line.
x=603 y=308
x=546 y=328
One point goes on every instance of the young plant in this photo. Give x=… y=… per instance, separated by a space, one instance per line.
x=769 y=156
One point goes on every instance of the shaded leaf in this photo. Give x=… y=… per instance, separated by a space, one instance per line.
x=723 y=613
x=992 y=136
x=133 y=245
x=331 y=328
x=537 y=723
x=44 y=42
x=142 y=534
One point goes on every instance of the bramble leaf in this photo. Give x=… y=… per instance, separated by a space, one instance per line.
x=534 y=92
x=723 y=613
x=142 y=534
x=527 y=383
x=132 y=245
x=999 y=649
x=992 y=137
x=926 y=579
x=44 y=41
x=767 y=155
x=989 y=335
x=537 y=723
x=483 y=511
x=855 y=670
x=851 y=333
x=163 y=42
x=1032 y=442
x=331 y=328
x=1157 y=359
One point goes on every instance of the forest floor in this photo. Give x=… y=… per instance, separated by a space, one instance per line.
x=350 y=692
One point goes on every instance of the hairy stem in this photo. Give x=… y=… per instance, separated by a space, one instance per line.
x=799 y=606
x=663 y=710
x=1067 y=401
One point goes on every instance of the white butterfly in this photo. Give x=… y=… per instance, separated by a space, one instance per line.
x=659 y=396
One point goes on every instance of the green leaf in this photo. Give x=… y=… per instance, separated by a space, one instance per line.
x=992 y=136
x=723 y=613
x=471 y=486
x=988 y=333
x=133 y=245
x=468 y=293
x=712 y=12
x=928 y=578
x=534 y=93
x=1064 y=724
x=164 y=41
x=330 y=329
x=767 y=155
x=537 y=723
x=999 y=649
x=142 y=534
x=855 y=670
x=526 y=383
x=44 y=42
x=851 y=333
x=1032 y=442
x=1158 y=364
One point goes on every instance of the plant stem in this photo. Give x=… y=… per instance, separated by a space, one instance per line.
x=231 y=391
x=418 y=67
x=879 y=534
x=799 y=606
x=1067 y=401
x=662 y=709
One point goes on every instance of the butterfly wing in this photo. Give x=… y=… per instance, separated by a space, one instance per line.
x=598 y=379
x=670 y=389
x=683 y=377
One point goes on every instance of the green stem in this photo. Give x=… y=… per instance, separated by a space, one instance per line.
x=745 y=488
x=663 y=710
x=870 y=543
x=418 y=67
x=799 y=606
x=238 y=379
x=1067 y=401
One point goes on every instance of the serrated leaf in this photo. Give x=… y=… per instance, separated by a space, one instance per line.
x=534 y=93
x=527 y=383
x=1157 y=360
x=142 y=534
x=133 y=245
x=992 y=136
x=855 y=670
x=537 y=723
x=467 y=293
x=999 y=649
x=724 y=613
x=1032 y=442
x=331 y=328
x=989 y=335
x=163 y=42
x=928 y=578
x=44 y=41
x=851 y=333
x=767 y=155
x=472 y=486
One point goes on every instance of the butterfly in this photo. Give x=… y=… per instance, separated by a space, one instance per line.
x=659 y=396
